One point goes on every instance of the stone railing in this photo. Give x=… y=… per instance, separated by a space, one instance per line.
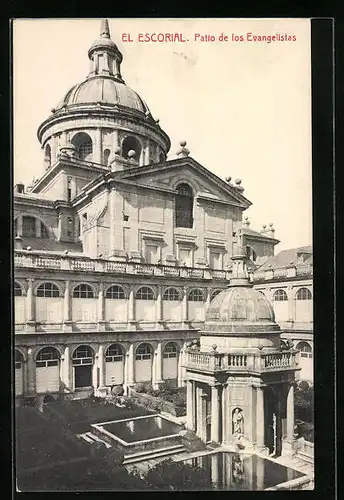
x=214 y=361
x=300 y=270
x=35 y=260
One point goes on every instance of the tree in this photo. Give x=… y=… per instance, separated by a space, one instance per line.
x=177 y=476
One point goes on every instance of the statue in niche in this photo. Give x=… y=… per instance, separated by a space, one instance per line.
x=237 y=422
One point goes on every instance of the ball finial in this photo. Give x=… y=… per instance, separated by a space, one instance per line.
x=271 y=224
x=238 y=182
x=228 y=179
x=131 y=153
x=183 y=144
x=264 y=226
x=117 y=151
x=214 y=347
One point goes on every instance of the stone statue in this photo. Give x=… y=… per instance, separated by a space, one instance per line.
x=237 y=422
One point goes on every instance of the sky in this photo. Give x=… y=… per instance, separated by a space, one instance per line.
x=244 y=107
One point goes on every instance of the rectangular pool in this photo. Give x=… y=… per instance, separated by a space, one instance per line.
x=142 y=428
x=233 y=471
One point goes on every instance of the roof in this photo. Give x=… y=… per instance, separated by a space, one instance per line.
x=289 y=257
x=51 y=245
x=106 y=90
x=251 y=232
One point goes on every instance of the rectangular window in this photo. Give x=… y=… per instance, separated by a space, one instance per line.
x=152 y=254
x=185 y=256
x=215 y=260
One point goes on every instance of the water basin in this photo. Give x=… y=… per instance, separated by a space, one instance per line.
x=233 y=471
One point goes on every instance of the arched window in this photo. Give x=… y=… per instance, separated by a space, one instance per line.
x=280 y=295
x=115 y=292
x=83 y=355
x=83 y=146
x=47 y=156
x=305 y=350
x=251 y=254
x=170 y=350
x=83 y=291
x=196 y=295
x=48 y=356
x=214 y=293
x=114 y=353
x=18 y=292
x=130 y=143
x=184 y=206
x=106 y=156
x=29 y=226
x=144 y=293
x=303 y=294
x=48 y=290
x=18 y=359
x=171 y=294
x=144 y=351
x=161 y=158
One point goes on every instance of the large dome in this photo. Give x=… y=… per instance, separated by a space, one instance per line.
x=240 y=309
x=102 y=89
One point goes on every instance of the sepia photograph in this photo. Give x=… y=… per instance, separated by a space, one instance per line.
x=163 y=258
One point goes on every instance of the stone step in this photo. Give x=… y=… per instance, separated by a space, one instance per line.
x=146 y=456
x=91 y=438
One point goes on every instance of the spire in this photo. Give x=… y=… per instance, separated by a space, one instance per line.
x=105 y=56
x=104 y=29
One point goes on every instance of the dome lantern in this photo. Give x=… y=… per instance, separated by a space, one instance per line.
x=105 y=56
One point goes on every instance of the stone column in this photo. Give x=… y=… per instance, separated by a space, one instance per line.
x=180 y=368
x=101 y=303
x=203 y=425
x=101 y=365
x=198 y=411
x=158 y=305
x=190 y=404
x=65 y=369
x=157 y=367
x=225 y=420
x=66 y=302
x=185 y=315
x=30 y=302
x=146 y=153
x=290 y=304
x=131 y=312
x=31 y=373
x=95 y=374
x=97 y=151
x=290 y=414
x=215 y=411
x=130 y=361
x=260 y=417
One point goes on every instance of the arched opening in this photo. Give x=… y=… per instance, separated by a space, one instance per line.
x=145 y=304
x=303 y=306
x=48 y=303
x=306 y=360
x=84 y=303
x=114 y=365
x=130 y=143
x=161 y=158
x=29 y=226
x=18 y=292
x=83 y=145
x=106 y=156
x=170 y=362
x=82 y=360
x=19 y=304
x=19 y=373
x=184 y=206
x=214 y=294
x=47 y=156
x=48 y=370
x=280 y=305
x=196 y=309
x=115 y=304
x=172 y=305
x=143 y=363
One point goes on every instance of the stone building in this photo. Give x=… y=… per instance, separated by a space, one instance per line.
x=287 y=281
x=240 y=380
x=119 y=250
